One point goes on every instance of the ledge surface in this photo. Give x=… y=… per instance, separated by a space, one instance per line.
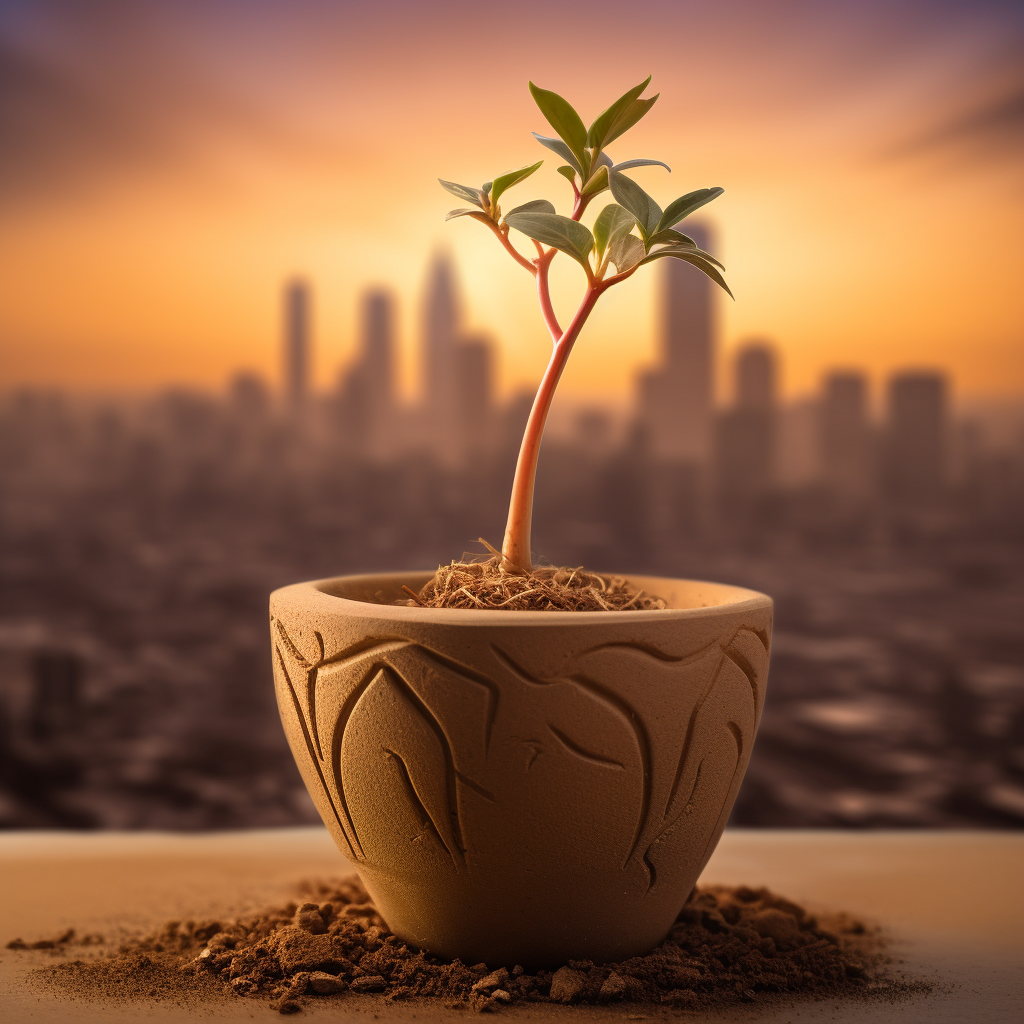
x=953 y=903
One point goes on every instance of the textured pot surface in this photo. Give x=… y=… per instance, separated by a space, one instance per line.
x=522 y=787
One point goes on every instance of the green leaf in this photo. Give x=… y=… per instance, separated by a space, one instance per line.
x=568 y=235
x=690 y=249
x=567 y=172
x=463 y=212
x=629 y=194
x=559 y=147
x=685 y=205
x=604 y=160
x=619 y=117
x=505 y=181
x=669 y=236
x=598 y=182
x=612 y=222
x=533 y=206
x=626 y=252
x=626 y=164
x=567 y=123
x=696 y=259
x=471 y=195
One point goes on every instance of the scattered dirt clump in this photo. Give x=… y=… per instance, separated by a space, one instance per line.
x=490 y=584
x=728 y=946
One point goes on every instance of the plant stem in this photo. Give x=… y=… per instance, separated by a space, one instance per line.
x=544 y=294
x=516 y=546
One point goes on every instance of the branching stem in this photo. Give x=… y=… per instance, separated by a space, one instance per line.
x=516 y=546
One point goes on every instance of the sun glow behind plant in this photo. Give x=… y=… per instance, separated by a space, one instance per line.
x=150 y=214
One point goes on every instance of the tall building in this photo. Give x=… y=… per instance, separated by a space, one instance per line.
x=297 y=342
x=844 y=434
x=474 y=394
x=746 y=453
x=367 y=389
x=440 y=336
x=917 y=435
x=675 y=398
x=378 y=347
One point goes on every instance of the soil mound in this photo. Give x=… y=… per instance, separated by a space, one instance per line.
x=491 y=584
x=728 y=945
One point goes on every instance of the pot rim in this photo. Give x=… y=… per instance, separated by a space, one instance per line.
x=323 y=592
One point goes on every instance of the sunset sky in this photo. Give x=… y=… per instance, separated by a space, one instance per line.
x=167 y=165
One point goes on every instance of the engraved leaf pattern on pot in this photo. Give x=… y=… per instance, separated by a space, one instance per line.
x=399 y=738
x=681 y=764
x=376 y=726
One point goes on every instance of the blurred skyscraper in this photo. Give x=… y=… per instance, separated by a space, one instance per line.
x=378 y=348
x=368 y=401
x=844 y=438
x=675 y=397
x=474 y=394
x=296 y=344
x=440 y=336
x=917 y=435
x=746 y=443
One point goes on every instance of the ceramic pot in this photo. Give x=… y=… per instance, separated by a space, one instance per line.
x=522 y=787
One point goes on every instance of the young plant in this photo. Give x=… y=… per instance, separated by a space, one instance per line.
x=632 y=231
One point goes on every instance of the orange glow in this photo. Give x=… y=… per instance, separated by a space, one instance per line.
x=850 y=238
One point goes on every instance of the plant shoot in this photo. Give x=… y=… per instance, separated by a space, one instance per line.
x=628 y=233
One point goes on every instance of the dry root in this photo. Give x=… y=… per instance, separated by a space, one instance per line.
x=492 y=584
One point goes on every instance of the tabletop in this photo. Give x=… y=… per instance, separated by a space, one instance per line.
x=951 y=902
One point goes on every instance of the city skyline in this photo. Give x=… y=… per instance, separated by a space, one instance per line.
x=149 y=214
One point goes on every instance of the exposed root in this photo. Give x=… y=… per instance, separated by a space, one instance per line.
x=494 y=584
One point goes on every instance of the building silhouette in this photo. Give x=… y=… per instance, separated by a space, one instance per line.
x=474 y=395
x=916 y=436
x=746 y=456
x=674 y=401
x=441 y=316
x=297 y=342
x=844 y=435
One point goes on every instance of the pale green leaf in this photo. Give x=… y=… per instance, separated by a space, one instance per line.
x=669 y=236
x=471 y=195
x=611 y=223
x=568 y=235
x=604 y=160
x=559 y=147
x=566 y=122
x=698 y=260
x=463 y=212
x=673 y=249
x=685 y=205
x=626 y=252
x=598 y=182
x=616 y=119
x=567 y=172
x=505 y=181
x=533 y=206
x=626 y=164
x=629 y=194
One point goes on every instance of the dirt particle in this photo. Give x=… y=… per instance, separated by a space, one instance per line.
x=727 y=947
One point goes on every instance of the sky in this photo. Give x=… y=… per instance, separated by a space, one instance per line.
x=168 y=165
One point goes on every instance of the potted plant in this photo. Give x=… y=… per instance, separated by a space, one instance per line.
x=531 y=786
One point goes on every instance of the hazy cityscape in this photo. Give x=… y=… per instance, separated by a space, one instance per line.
x=140 y=537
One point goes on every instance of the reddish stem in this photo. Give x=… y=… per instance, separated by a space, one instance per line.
x=516 y=546
x=544 y=294
x=512 y=250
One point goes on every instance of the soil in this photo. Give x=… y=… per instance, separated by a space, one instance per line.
x=491 y=584
x=728 y=946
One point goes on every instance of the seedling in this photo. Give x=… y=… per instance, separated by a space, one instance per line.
x=627 y=234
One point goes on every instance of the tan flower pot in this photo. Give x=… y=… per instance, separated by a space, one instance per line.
x=522 y=787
